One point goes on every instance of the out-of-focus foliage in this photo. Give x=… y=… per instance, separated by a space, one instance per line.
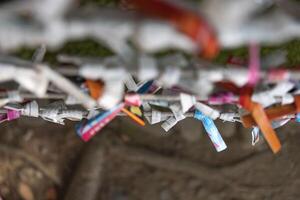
x=85 y=48
x=90 y=48
x=292 y=48
x=107 y=3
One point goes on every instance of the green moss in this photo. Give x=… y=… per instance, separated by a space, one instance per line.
x=107 y=3
x=84 y=48
x=224 y=54
x=293 y=52
x=292 y=48
x=24 y=53
x=91 y=48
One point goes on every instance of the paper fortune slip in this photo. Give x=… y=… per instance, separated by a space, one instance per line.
x=212 y=131
x=87 y=131
x=9 y=115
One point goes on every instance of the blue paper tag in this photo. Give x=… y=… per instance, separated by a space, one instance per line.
x=143 y=89
x=297 y=117
x=211 y=130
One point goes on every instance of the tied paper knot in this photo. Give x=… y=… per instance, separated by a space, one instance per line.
x=31 y=109
x=230 y=117
x=133 y=100
x=208 y=111
x=9 y=115
x=92 y=126
x=223 y=98
x=211 y=130
x=178 y=115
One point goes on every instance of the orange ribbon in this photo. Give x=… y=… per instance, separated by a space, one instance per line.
x=95 y=88
x=188 y=22
x=261 y=119
x=274 y=112
x=133 y=117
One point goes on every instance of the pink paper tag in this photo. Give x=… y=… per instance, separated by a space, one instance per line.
x=9 y=115
x=94 y=125
x=133 y=100
x=254 y=64
x=12 y=114
x=222 y=98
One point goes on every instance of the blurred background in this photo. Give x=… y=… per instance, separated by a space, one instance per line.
x=43 y=160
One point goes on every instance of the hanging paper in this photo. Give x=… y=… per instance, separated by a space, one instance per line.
x=87 y=131
x=212 y=131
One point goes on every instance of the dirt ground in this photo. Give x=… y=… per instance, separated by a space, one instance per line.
x=41 y=160
x=44 y=161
